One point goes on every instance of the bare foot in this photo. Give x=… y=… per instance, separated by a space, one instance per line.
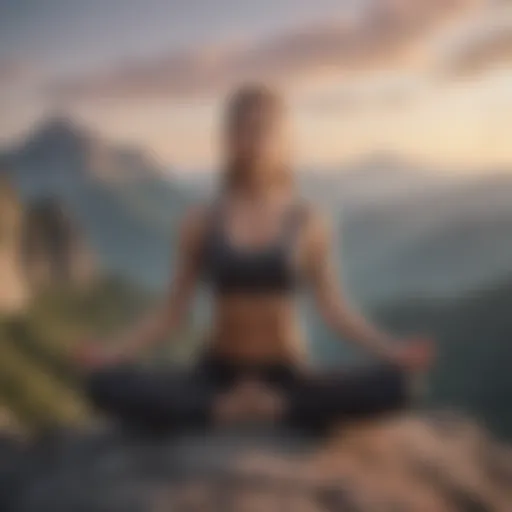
x=249 y=402
x=90 y=356
x=230 y=408
x=267 y=404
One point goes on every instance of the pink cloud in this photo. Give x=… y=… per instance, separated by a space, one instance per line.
x=382 y=36
x=488 y=50
x=12 y=71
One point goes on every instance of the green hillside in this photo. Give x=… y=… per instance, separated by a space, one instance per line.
x=38 y=381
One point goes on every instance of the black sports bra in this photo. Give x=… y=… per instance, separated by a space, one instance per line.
x=271 y=269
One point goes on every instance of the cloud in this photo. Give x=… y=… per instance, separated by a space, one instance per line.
x=187 y=73
x=394 y=93
x=382 y=35
x=486 y=50
x=12 y=71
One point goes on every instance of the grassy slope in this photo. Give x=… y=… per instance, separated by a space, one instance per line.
x=38 y=382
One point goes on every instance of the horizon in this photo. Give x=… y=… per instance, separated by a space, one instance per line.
x=429 y=81
x=369 y=160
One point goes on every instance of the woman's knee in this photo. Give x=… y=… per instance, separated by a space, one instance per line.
x=388 y=385
x=369 y=390
x=407 y=387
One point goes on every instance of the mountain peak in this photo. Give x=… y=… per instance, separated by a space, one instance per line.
x=58 y=131
x=61 y=122
x=59 y=148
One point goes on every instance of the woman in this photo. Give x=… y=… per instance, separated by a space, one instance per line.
x=255 y=246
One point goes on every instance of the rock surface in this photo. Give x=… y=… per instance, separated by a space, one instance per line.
x=432 y=463
x=54 y=250
x=14 y=292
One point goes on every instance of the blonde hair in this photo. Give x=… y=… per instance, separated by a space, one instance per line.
x=243 y=100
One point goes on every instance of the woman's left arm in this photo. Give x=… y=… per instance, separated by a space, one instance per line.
x=341 y=316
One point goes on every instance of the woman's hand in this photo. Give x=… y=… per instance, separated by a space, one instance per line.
x=91 y=355
x=414 y=354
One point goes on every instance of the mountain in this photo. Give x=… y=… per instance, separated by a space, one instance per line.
x=405 y=229
x=377 y=178
x=440 y=242
x=119 y=196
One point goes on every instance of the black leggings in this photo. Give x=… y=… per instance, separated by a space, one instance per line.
x=183 y=398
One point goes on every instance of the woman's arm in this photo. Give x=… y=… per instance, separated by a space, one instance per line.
x=340 y=315
x=172 y=311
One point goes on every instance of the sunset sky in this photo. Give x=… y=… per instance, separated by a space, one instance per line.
x=427 y=79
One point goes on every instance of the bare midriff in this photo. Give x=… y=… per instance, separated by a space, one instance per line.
x=257 y=330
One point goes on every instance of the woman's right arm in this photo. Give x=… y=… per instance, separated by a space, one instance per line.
x=172 y=311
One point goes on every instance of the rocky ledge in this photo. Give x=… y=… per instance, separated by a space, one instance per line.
x=434 y=462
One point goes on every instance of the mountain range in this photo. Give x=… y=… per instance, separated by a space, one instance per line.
x=118 y=195
x=406 y=229
x=442 y=241
x=424 y=235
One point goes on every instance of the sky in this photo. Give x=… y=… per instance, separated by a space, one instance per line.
x=427 y=79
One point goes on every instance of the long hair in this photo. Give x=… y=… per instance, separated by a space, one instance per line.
x=245 y=99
